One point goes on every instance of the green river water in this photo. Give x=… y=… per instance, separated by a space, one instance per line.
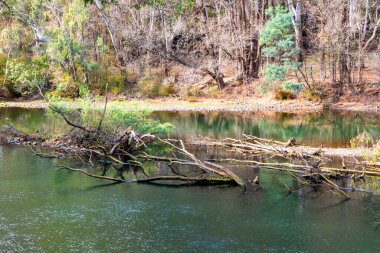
x=44 y=210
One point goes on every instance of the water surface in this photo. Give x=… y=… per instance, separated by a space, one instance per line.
x=330 y=129
x=44 y=210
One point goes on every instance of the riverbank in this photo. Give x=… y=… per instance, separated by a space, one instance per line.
x=200 y=105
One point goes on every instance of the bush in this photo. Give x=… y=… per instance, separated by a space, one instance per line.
x=192 y=99
x=363 y=140
x=136 y=119
x=376 y=153
x=148 y=87
x=168 y=90
x=22 y=78
x=283 y=95
x=292 y=87
x=151 y=86
x=116 y=83
x=310 y=95
x=83 y=90
x=117 y=117
x=373 y=156
x=64 y=86
x=193 y=92
x=314 y=94
x=213 y=91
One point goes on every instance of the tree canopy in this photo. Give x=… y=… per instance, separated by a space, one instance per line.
x=153 y=48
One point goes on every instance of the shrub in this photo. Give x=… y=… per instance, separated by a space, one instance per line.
x=64 y=86
x=136 y=119
x=374 y=156
x=192 y=99
x=83 y=90
x=237 y=83
x=168 y=90
x=283 y=95
x=213 y=91
x=310 y=95
x=117 y=117
x=314 y=94
x=21 y=78
x=193 y=92
x=148 y=88
x=376 y=153
x=292 y=87
x=131 y=77
x=363 y=140
x=116 y=83
x=151 y=86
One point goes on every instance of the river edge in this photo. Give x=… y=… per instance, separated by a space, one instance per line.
x=212 y=105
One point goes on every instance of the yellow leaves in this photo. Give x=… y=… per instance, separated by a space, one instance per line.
x=61 y=77
x=74 y=15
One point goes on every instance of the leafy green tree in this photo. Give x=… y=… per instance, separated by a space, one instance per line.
x=180 y=6
x=65 y=47
x=278 y=45
x=9 y=41
x=67 y=51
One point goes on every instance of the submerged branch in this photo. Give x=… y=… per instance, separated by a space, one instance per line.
x=123 y=147
x=191 y=180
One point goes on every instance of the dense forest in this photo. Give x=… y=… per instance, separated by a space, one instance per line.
x=189 y=48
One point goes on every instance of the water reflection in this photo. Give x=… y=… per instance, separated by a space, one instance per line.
x=328 y=129
x=44 y=210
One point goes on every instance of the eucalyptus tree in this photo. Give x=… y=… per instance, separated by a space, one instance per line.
x=66 y=43
x=21 y=31
x=9 y=41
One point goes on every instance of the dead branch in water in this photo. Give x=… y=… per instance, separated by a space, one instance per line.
x=251 y=146
x=125 y=148
x=188 y=180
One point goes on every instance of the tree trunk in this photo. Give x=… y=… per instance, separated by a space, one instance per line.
x=99 y=6
x=6 y=66
x=297 y=24
x=218 y=77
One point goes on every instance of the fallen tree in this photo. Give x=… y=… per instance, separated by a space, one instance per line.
x=103 y=143
x=247 y=145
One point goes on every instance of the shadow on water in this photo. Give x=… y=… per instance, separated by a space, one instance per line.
x=102 y=186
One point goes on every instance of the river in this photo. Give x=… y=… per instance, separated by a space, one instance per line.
x=44 y=210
